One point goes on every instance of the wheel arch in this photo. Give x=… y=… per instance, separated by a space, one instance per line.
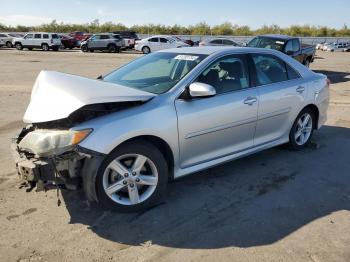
x=316 y=111
x=160 y=144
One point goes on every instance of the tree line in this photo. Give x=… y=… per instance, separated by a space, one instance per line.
x=201 y=28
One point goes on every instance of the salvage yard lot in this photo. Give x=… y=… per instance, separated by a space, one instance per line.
x=277 y=205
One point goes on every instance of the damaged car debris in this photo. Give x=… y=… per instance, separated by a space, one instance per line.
x=165 y=115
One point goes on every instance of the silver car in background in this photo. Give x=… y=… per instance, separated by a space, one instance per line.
x=163 y=116
x=218 y=42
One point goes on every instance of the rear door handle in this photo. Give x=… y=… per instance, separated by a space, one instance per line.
x=300 y=89
x=250 y=100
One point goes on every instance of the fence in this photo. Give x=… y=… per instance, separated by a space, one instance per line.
x=245 y=39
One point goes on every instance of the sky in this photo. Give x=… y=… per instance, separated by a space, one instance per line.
x=253 y=13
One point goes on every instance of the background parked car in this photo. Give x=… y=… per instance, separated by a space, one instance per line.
x=7 y=38
x=156 y=43
x=187 y=41
x=337 y=47
x=289 y=45
x=68 y=41
x=107 y=41
x=129 y=38
x=42 y=40
x=80 y=36
x=218 y=42
x=325 y=46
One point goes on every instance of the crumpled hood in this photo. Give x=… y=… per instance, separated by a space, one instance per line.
x=56 y=95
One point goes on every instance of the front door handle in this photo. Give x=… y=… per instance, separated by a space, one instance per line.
x=300 y=89
x=250 y=100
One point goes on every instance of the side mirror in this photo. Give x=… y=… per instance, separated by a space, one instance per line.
x=100 y=77
x=198 y=89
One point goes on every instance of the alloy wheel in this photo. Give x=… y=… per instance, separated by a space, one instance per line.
x=303 y=129
x=130 y=179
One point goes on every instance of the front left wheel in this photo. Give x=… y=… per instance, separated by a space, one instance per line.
x=132 y=178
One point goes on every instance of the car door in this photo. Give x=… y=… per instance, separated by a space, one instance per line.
x=28 y=40
x=293 y=49
x=103 y=42
x=164 y=43
x=93 y=42
x=281 y=93
x=37 y=41
x=154 y=43
x=221 y=125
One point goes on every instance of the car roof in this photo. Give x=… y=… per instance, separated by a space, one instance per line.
x=282 y=37
x=209 y=50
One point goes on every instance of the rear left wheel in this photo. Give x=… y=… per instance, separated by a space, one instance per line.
x=302 y=129
x=132 y=178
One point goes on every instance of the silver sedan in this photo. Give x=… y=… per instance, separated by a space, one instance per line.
x=164 y=116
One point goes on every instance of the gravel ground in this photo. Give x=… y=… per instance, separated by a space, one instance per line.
x=277 y=205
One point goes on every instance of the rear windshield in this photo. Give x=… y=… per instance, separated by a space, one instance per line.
x=155 y=73
x=267 y=42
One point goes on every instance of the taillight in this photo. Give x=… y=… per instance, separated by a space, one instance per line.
x=328 y=82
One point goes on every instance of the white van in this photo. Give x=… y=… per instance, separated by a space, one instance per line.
x=44 y=41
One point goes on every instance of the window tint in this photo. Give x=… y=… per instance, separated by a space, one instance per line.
x=163 y=40
x=29 y=36
x=289 y=46
x=154 y=39
x=217 y=42
x=45 y=36
x=2 y=35
x=269 y=69
x=117 y=36
x=227 y=42
x=37 y=36
x=292 y=73
x=296 y=45
x=54 y=36
x=227 y=74
x=104 y=36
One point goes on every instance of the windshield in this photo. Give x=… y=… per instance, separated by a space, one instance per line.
x=267 y=42
x=156 y=73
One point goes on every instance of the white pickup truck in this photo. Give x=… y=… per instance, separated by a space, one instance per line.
x=41 y=40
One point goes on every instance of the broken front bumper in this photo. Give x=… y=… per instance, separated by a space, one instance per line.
x=73 y=169
x=33 y=169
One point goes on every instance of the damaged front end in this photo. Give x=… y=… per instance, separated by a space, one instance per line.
x=46 y=157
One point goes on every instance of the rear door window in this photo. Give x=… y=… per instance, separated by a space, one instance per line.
x=153 y=39
x=296 y=45
x=163 y=40
x=104 y=37
x=45 y=36
x=216 y=42
x=37 y=36
x=292 y=73
x=269 y=69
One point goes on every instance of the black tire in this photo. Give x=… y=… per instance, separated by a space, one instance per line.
x=146 y=50
x=293 y=144
x=112 y=48
x=9 y=44
x=145 y=149
x=45 y=47
x=84 y=48
x=18 y=46
x=307 y=62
